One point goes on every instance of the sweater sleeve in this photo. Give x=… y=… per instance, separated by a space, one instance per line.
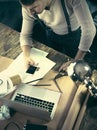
x=27 y=27
x=85 y=20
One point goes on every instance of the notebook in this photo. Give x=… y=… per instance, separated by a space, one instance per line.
x=34 y=101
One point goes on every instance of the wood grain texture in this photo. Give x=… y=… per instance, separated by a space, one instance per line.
x=9 y=42
x=10 y=46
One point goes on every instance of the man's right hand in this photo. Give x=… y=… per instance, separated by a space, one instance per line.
x=29 y=61
x=65 y=65
x=27 y=58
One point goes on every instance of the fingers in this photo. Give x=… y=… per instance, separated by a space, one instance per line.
x=62 y=67
x=29 y=61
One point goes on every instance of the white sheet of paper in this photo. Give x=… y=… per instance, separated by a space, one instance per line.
x=18 y=66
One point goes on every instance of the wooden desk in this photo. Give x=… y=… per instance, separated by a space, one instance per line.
x=71 y=99
x=10 y=46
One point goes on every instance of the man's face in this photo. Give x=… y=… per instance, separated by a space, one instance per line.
x=37 y=7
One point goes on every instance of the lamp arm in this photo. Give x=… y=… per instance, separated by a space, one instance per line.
x=91 y=86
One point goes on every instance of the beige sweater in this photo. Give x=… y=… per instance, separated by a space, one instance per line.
x=79 y=16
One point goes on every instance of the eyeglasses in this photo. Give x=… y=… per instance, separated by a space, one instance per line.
x=1 y=81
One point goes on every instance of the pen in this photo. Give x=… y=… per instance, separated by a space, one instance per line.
x=33 y=80
x=41 y=84
x=57 y=86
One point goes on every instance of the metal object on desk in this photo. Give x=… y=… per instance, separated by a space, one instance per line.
x=59 y=75
x=94 y=77
x=82 y=72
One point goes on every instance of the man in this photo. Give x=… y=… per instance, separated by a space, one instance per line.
x=69 y=32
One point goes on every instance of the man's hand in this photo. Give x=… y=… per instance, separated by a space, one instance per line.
x=29 y=61
x=27 y=58
x=65 y=65
x=80 y=55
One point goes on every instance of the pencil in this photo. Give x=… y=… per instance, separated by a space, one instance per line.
x=33 y=80
x=41 y=84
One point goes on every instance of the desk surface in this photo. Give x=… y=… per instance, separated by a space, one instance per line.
x=68 y=88
x=9 y=47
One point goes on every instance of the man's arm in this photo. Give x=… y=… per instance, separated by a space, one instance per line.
x=80 y=54
x=26 y=37
x=88 y=29
x=26 y=50
x=27 y=28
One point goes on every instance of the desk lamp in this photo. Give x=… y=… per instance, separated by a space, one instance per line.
x=82 y=72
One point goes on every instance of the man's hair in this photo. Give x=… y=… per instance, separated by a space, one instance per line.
x=26 y=2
